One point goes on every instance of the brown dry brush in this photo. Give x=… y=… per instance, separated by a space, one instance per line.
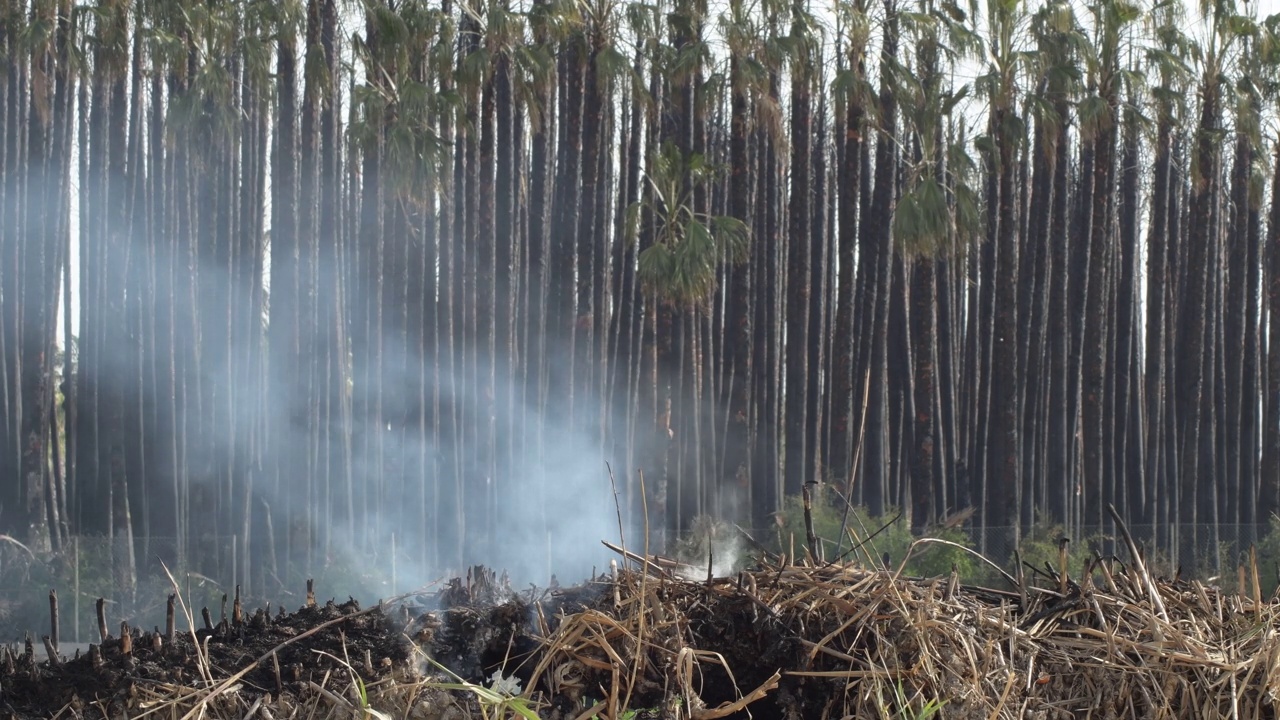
x=845 y=641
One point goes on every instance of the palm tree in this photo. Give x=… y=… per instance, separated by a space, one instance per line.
x=1167 y=56
x=738 y=371
x=875 y=263
x=1099 y=119
x=286 y=412
x=683 y=249
x=1128 y=491
x=1194 y=360
x=1003 y=462
x=855 y=95
x=798 y=468
x=1241 y=311
x=106 y=355
x=1257 y=60
x=927 y=228
x=11 y=136
x=1043 y=273
x=537 y=331
x=1268 y=497
x=678 y=268
x=40 y=254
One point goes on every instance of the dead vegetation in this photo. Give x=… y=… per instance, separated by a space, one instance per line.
x=843 y=641
x=783 y=640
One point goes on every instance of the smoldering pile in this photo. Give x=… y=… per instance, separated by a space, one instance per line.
x=419 y=656
x=843 y=641
x=781 y=640
x=246 y=662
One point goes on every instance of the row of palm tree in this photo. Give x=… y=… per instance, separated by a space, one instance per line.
x=330 y=269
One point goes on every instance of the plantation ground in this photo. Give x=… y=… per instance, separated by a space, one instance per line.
x=780 y=641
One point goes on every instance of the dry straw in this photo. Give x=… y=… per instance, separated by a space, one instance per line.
x=840 y=640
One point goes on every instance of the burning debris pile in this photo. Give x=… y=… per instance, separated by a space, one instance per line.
x=779 y=641
x=446 y=658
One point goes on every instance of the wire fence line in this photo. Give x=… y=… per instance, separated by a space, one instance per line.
x=88 y=568
x=1204 y=551
x=207 y=574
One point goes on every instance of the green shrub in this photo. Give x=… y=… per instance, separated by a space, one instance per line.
x=1041 y=547
x=87 y=566
x=892 y=537
x=1269 y=559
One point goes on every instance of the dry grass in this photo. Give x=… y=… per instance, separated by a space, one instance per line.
x=822 y=641
x=855 y=642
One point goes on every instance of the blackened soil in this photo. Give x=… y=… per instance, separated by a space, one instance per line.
x=370 y=643
x=475 y=627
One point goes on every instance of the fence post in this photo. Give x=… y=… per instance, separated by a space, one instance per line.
x=75 y=582
x=235 y=559
x=246 y=569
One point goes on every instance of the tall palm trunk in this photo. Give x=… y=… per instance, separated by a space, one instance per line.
x=1129 y=488
x=1269 y=493
x=1095 y=353
x=1251 y=384
x=286 y=390
x=10 y=143
x=486 y=392
x=105 y=359
x=591 y=236
x=1156 y=472
x=820 y=249
x=1193 y=320
x=845 y=386
x=627 y=356
x=562 y=321
x=768 y=328
x=1241 y=333
x=367 y=281
x=874 y=236
x=35 y=285
x=1034 y=272
x=537 y=330
x=798 y=261
x=1007 y=390
x=508 y=180
x=738 y=445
